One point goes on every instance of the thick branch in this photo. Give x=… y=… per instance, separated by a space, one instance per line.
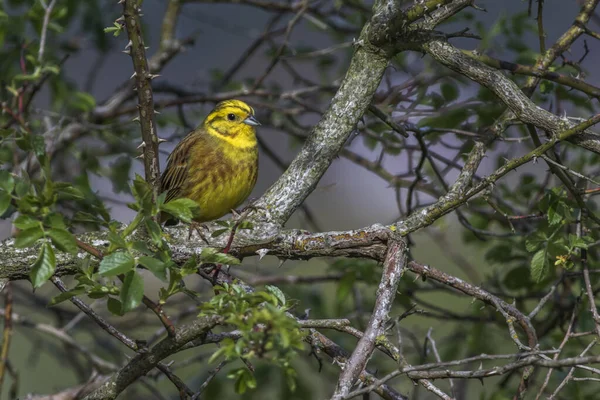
x=377 y=42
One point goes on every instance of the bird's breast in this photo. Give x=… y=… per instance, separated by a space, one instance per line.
x=222 y=180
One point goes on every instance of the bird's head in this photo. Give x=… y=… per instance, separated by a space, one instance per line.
x=233 y=121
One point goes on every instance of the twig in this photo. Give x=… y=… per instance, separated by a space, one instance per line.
x=47 y=12
x=98 y=319
x=185 y=392
x=210 y=377
x=566 y=338
x=7 y=333
x=438 y=358
x=571 y=370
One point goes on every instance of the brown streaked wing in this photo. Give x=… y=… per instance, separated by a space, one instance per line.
x=174 y=176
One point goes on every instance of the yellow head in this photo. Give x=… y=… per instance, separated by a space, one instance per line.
x=234 y=122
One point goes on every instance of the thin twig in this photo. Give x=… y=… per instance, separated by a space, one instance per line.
x=7 y=333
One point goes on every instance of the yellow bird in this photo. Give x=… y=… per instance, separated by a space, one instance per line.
x=215 y=165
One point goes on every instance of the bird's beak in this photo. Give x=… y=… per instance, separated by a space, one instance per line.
x=251 y=121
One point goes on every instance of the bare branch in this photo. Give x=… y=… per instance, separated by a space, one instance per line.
x=393 y=266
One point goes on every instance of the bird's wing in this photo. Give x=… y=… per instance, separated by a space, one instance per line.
x=174 y=176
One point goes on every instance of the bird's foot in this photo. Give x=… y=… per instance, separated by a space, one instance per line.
x=197 y=227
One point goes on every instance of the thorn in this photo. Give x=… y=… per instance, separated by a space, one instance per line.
x=261 y=253
x=129 y=44
x=281 y=261
x=141 y=146
x=146 y=47
x=156 y=112
x=140 y=156
x=121 y=2
x=152 y=76
x=136 y=119
x=120 y=19
x=127 y=51
x=133 y=76
x=161 y=140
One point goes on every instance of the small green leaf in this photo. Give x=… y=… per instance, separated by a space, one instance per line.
x=535 y=241
x=132 y=291
x=83 y=101
x=116 y=240
x=63 y=240
x=157 y=267
x=39 y=145
x=7 y=181
x=219 y=232
x=67 y=191
x=133 y=225
x=211 y=255
x=116 y=263
x=27 y=237
x=153 y=229
x=5 y=199
x=25 y=222
x=183 y=209
x=539 y=265
x=44 y=266
x=274 y=290
x=66 y=296
x=114 y=306
x=449 y=91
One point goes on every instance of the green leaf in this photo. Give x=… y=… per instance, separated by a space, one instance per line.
x=133 y=225
x=539 y=265
x=7 y=181
x=83 y=101
x=67 y=191
x=449 y=91
x=182 y=209
x=44 y=266
x=66 y=296
x=132 y=291
x=577 y=242
x=219 y=232
x=153 y=229
x=25 y=222
x=116 y=263
x=27 y=237
x=114 y=306
x=535 y=241
x=39 y=145
x=211 y=255
x=5 y=199
x=63 y=240
x=116 y=240
x=157 y=267
x=274 y=290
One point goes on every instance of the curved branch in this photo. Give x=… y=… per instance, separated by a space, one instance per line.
x=143 y=363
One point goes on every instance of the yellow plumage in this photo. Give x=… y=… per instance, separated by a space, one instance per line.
x=216 y=165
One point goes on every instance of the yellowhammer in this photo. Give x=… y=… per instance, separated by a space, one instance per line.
x=216 y=165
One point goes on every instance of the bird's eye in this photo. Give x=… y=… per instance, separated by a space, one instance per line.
x=231 y=117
